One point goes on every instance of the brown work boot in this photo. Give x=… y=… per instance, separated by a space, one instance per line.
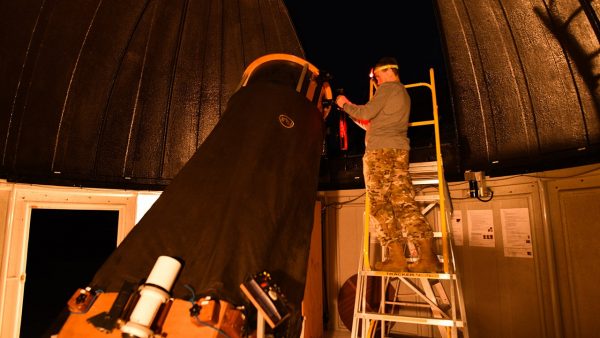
x=395 y=261
x=428 y=261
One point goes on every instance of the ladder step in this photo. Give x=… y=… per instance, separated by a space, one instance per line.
x=423 y=167
x=427 y=198
x=408 y=274
x=409 y=319
x=425 y=181
x=424 y=173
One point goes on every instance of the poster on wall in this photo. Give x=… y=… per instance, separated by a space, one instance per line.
x=457 y=227
x=481 y=228
x=516 y=232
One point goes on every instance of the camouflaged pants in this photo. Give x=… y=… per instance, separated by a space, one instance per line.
x=394 y=214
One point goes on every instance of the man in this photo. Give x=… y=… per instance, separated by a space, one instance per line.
x=394 y=213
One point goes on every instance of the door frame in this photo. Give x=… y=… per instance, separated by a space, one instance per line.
x=21 y=200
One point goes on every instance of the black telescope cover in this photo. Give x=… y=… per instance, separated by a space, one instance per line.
x=242 y=204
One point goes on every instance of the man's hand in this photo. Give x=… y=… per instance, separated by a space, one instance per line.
x=341 y=100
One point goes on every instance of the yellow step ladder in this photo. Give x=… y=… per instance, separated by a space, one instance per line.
x=427 y=301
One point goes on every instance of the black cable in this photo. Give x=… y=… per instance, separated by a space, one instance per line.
x=195 y=310
x=489 y=199
x=193 y=297
x=203 y=323
x=340 y=204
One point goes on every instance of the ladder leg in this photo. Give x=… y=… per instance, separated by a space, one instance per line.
x=357 y=299
x=434 y=310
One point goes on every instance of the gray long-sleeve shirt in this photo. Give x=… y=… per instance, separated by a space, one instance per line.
x=387 y=113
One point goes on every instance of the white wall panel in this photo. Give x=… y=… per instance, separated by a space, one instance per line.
x=574 y=209
x=552 y=293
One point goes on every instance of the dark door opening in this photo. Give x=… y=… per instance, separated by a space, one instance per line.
x=65 y=249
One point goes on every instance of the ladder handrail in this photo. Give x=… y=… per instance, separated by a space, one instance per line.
x=441 y=178
x=367 y=231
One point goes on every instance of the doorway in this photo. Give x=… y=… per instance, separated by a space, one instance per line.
x=65 y=248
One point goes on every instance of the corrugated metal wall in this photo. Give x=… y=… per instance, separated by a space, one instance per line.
x=525 y=77
x=122 y=93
